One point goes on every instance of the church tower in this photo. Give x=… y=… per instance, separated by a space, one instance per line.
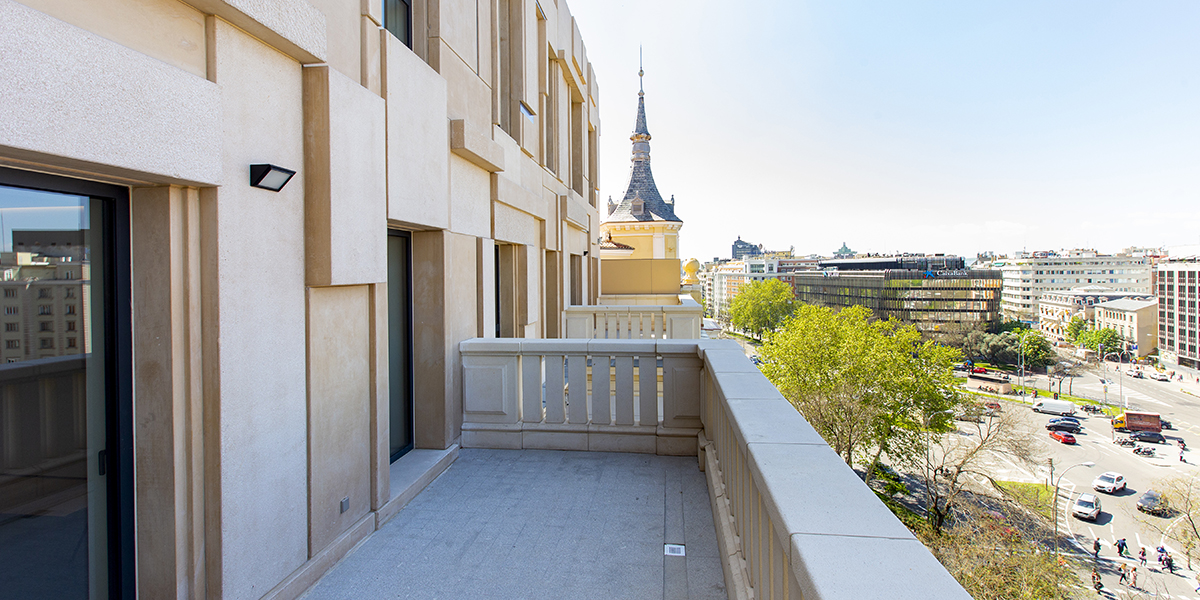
x=642 y=220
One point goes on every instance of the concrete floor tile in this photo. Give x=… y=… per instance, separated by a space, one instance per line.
x=517 y=524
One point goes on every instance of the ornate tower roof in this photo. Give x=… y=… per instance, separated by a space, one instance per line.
x=641 y=189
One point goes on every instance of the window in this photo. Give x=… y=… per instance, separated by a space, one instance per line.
x=10 y=293
x=46 y=326
x=12 y=344
x=46 y=343
x=44 y=293
x=11 y=310
x=12 y=326
x=71 y=343
x=70 y=309
x=45 y=309
x=70 y=325
x=397 y=19
x=69 y=293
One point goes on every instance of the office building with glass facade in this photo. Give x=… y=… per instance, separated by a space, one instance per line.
x=930 y=300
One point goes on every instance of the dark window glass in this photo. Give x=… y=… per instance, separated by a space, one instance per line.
x=397 y=18
x=400 y=388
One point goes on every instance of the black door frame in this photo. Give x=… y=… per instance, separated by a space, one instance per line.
x=119 y=370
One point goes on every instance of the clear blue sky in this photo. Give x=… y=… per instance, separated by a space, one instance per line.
x=908 y=126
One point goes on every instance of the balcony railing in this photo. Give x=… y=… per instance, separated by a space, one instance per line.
x=793 y=521
x=625 y=322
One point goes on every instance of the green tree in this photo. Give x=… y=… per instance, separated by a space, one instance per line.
x=869 y=387
x=761 y=306
x=1092 y=339
x=1077 y=326
x=1037 y=349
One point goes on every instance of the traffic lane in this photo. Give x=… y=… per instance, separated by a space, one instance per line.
x=1116 y=520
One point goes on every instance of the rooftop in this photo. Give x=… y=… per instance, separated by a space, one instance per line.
x=1127 y=304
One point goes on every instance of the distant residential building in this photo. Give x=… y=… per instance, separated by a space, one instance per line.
x=1027 y=276
x=1057 y=309
x=1136 y=320
x=1177 y=327
x=46 y=303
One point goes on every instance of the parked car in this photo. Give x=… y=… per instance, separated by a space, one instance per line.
x=1074 y=420
x=1165 y=423
x=1148 y=436
x=1110 y=482
x=978 y=370
x=1064 y=426
x=1062 y=436
x=1153 y=502
x=1159 y=376
x=1087 y=507
x=992 y=405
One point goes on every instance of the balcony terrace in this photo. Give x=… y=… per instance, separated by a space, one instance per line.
x=767 y=501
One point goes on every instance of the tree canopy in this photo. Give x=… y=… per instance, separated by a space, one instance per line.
x=761 y=306
x=1008 y=346
x=869 y=387
x=1077 y=326
x=1093 y=338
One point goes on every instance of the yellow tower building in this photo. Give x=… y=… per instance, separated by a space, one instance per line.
x=642 y=220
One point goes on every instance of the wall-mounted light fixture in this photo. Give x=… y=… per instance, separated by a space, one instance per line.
x=270 y=177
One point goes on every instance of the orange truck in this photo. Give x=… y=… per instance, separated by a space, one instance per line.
x=1137 y=421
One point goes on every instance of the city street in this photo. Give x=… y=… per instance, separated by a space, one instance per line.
x=1175 y=402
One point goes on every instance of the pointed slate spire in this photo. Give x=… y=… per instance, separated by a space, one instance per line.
x=642 y=202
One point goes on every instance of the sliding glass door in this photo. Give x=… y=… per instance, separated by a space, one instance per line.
x=64 y=485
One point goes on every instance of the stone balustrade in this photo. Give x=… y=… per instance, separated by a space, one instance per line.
x=624 y=322
x=43 y=433
x=793 y=521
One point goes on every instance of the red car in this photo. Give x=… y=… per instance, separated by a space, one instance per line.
x=979 y=370
x=1062 y=436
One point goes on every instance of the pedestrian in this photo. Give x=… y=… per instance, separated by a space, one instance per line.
x=1124 y=571
x=1121 y=547
x=1142 y=555
x=1181 y=455
x=1170 y=563
x=1096 y=583
x=1133 y=578
x=1096 y=548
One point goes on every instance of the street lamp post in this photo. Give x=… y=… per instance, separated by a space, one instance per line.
x=1120 y=380
x=1089 y=464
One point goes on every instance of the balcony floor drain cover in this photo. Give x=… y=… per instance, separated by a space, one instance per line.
x=673 y=549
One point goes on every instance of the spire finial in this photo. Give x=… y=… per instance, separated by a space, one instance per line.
x=641 y=88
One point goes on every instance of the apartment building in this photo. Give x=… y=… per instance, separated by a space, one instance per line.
x=1178 y=331
x=1028 y=275
x=1136 y=320
x=45 y=301
x=304 y=228
x=291 y=214
x=1057 y=309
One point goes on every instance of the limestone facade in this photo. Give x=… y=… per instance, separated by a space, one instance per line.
x=259 y=399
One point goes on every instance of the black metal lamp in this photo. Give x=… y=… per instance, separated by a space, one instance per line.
x=270 y=177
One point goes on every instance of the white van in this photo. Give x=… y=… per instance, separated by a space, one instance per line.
x=1054 y=407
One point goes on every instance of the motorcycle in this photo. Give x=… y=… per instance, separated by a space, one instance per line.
x=1144 y=451
x=1126 y=442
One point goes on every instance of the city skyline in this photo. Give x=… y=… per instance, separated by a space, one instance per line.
x=928 y=127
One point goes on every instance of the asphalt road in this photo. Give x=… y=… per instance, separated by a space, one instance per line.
x=1177 y=402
